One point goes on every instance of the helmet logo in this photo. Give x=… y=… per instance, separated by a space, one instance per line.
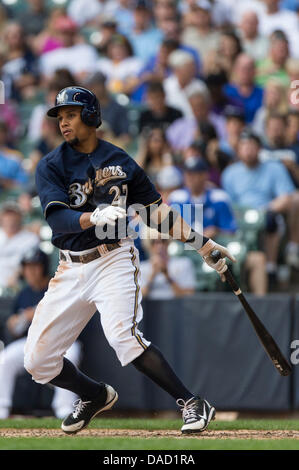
x=61 y=97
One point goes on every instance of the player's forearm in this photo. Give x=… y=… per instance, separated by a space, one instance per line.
x=170 y=221
x=85 y=220
x=63 y=220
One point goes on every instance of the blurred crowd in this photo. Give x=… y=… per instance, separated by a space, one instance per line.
x=202 y=93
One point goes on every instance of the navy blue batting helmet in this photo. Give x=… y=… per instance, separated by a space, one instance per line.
x=79 y=96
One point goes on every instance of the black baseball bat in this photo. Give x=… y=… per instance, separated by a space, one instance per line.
x=264 y=336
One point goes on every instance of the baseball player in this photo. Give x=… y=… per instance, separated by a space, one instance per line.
x=86 y=186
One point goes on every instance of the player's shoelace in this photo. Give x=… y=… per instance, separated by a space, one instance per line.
x=79 y=407
x=189 y=409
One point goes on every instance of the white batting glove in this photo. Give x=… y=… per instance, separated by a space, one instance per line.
x=109 y=215
x=220 y=266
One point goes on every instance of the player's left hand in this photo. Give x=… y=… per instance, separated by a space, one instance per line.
x=220 y=266
x=109 y=215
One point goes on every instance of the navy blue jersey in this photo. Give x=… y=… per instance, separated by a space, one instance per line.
x=68 y=178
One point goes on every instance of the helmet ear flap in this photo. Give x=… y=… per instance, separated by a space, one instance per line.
x=90 y=118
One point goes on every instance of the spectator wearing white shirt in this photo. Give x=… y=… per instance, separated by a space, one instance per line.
x=78 y=57
x=164 y=277
x=183 y=80
x=83 y=12
x=254 y=44
x=274 y=18
x=120 y=66
x=15 y=242
x=200 y=34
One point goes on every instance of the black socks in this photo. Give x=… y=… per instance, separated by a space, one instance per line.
x=152 y=363
x=74 y=380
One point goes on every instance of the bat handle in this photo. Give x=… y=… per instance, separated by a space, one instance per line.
x=216 y=256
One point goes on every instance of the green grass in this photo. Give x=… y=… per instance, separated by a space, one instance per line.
x=116 y=443
x=155 y=443
x=153 y=424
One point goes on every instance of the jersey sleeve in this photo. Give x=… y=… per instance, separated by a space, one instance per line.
x=141 y=189
x=50 y=187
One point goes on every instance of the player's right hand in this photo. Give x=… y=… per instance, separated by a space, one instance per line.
x=109 y=215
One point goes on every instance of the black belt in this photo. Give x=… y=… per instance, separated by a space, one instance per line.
x=87 y=257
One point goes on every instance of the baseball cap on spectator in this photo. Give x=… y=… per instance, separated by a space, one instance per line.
x=195 y=164
x=248 y=134
x=65 y=24
x=231 y=111
x=169 y=177
x=202 y=4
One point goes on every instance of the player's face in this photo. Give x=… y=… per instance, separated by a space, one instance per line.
x=71 y=126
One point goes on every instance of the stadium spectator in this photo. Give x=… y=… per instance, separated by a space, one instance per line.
x=157 y=114
x=264 y=186
x=274 y=100
x=242 y=87
x=144 y=36
x=223 y=58
x=235 y=124
x=120 y=66
x=169 y=178
x=164 y=277
x=12 y=173
x=36 y=275
x=34 y=18
x=82 y=16
x=275 y=64
x=172 y=29
x=292 y=128
x=215 y=83
x=153 y=153
x=78 y=57
x=111 y=110
x=164 y=9
x=15 y=242
x=275 y=146
x=50 y=37
x=209 y=211
x=253 y=43
x=156 y=69
x=184 y=131
x=21 y=64
x=275 y=18
x=124 y=16
x=181 y=83
x=201 y=35
x=50 y=139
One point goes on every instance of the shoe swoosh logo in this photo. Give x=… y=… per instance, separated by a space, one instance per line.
x=204 y=416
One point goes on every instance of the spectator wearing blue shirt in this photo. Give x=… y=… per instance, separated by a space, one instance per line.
x=204 y=208
x=242 y=89
x=264 y=186
x=144 y=37
x=12 y=172
x=209 y=209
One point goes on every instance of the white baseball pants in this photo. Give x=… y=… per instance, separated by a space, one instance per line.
x=109 y=284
